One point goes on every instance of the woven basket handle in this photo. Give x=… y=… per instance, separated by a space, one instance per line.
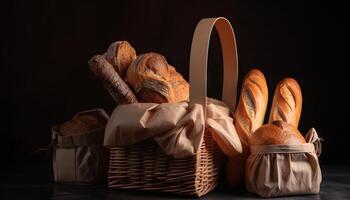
x=199 y=60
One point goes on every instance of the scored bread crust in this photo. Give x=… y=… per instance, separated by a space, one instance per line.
x=277 y=132
x=287 y=102
x=81 y=124
x=251 y=108
x=154 y=80
x=249 y=116
x=120 y=54
x=179 y=84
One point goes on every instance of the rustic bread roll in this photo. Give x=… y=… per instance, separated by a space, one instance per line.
x=82 y=124
x=153 y=80
x=277 y=132
x=250 y=112
x=111 y=80
x=179 y=85
x=287 y=102
x=120 y=54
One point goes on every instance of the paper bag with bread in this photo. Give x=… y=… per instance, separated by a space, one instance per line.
x=78 y=152
x=277 y=160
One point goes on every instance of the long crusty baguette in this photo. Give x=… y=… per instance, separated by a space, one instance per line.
x=251 y=108
x=287 y=102
x=115 y=85
x=249 y=116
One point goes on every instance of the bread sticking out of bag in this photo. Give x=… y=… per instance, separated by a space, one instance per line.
x=154 y=80
x=120 y=54
x=277 y=132
x=117 y=88
x=249 y=116
x=287 y=102
x=251 y=108
x=82 y=124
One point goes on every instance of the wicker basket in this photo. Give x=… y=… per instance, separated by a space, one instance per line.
x=144 y=166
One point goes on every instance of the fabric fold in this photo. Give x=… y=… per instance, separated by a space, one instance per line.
x=177 y=127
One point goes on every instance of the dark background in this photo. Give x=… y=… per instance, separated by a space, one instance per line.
x=45 y=46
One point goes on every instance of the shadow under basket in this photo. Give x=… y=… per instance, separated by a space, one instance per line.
x=145 y=167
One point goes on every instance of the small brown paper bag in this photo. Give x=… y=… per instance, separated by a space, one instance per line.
x=80 y=158
x=280 y=170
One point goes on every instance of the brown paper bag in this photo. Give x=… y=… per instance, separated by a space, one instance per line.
x=280 y=170
x=80 y=158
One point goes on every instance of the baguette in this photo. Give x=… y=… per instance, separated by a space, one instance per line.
x=287 y=102
x=111 y=80
x=252 y=105
x=249 y=116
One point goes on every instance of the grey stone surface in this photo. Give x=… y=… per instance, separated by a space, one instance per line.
x=36 y=182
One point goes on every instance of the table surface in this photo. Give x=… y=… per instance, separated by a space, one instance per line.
x=36 y=182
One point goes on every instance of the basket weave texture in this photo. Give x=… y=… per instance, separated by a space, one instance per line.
x=144 y=166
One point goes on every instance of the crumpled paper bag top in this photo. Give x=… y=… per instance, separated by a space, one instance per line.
x=280 y=170
x=177 y=127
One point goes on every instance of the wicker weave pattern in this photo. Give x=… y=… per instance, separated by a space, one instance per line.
x=145 y=167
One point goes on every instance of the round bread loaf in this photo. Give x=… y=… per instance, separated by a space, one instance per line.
x=120 y=54
x=154 y=80
x=277 y=132
x=82 y=124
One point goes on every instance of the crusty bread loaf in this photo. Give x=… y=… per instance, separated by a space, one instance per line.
x=82 y=124
x=179 y=84
x=249 y=116
x=277 y=132
x=120 y=54
x=154 y=80
x=287 y=102
x=250 y=112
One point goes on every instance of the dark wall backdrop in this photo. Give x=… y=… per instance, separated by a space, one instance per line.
x=45 y=46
